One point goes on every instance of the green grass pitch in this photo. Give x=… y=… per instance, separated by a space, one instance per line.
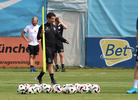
x=113 y=84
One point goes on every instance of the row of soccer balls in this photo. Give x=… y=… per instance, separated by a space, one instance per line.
x=66 y=89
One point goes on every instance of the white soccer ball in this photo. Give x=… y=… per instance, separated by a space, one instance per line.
x=89 y=87
x=30 y=90
x=65 y=88
x=76 y=85
x=36 y=88
x=83 y=88
x=57 y=88
x=21 y=89
x=27 y=86
x=78 y=88
x=46 y=88
x=72 y=90
x=95 y=89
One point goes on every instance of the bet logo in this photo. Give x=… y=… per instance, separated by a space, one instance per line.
x=115 y=51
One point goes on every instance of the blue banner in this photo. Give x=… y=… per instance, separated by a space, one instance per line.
x=112 y=18
x=111 y=52
x=15 y=15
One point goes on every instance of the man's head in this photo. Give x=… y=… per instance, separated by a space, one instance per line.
x=57 y=21
x=51 y=17
x=34 y=21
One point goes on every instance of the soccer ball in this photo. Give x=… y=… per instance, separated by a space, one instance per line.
x=83 y=88
x=21 y=89
x=33 y=89
x=46 y=88
x=65 y=89
x=88 y=87
x=72 y=90
x=27 y=86
x=57 y=88
x=95 y=88
x=30 y=90
x=78 y=88
x=36 y=88
x=76 y=85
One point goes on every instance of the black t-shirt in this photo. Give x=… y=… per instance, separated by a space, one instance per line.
x=51 y=34
x=60 y=31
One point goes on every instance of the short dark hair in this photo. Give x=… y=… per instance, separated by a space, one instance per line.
x=50 y=14
x=56 y=19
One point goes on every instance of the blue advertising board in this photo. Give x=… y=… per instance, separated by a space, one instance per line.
x=15 y=15
x=111 y=52
x=112 y=18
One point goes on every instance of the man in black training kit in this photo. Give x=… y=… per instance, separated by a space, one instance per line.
x=59 y=45
x=51 y=33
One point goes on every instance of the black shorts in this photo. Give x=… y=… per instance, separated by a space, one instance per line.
x=49 y=55
x=33 y=50
x=137 y=56
x=59 y=48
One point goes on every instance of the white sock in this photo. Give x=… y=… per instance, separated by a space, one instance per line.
x=135 y=83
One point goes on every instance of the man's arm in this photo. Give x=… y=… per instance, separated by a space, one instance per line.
x=25 y=38
x=61 y=38
x=64 y=26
